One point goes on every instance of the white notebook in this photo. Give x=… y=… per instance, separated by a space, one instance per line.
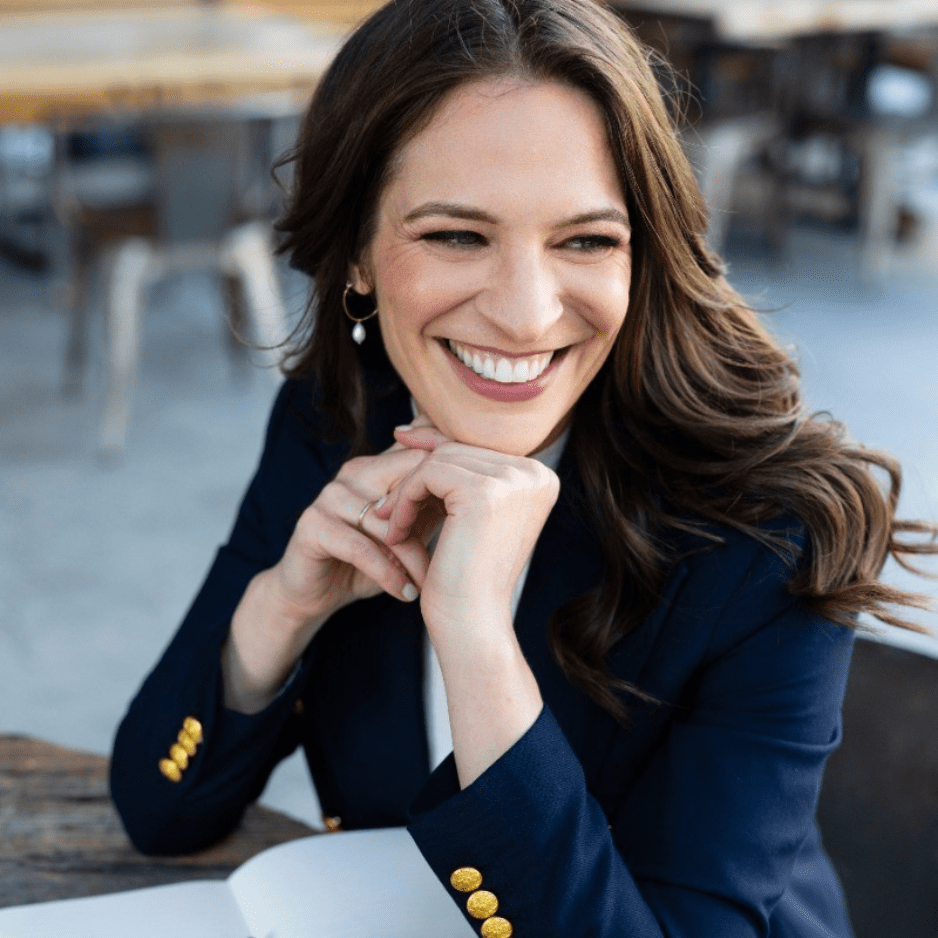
x=360 y=884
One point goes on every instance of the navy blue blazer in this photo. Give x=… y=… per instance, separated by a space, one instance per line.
x=697 y=821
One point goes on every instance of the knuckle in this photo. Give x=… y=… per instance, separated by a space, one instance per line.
x=448 y=449
x=308 y=522
x=353 y=467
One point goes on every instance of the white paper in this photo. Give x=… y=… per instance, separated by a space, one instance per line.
x=201 y=909
x=362 y=884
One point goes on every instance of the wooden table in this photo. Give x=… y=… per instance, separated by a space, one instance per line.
x=55 y=64
x=768 y=20
x=60 y=836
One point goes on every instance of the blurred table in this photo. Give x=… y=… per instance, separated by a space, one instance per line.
x=56 y=64
x=766 y=20
x=60 y=836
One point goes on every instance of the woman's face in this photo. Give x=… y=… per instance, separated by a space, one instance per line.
x=501 y=262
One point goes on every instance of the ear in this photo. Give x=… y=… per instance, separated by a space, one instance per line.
x=360 y=282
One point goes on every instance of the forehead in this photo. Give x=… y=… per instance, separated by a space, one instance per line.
x=509 y=141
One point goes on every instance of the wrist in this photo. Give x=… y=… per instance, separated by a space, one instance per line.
x=454 y=621
x=493 y=699
x=266 y=639
x=286 y=614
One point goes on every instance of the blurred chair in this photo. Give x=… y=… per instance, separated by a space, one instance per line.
x=864 y=97
x=724 y=110
x=104 y=191
x=27 y=165
x=878 y=808
x=204 y=204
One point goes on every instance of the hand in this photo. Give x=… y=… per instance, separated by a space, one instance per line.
x=493 y=508
x=329 y=562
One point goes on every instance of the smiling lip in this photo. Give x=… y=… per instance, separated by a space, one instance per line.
x=496 y=390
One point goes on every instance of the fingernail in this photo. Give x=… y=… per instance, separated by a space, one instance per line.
x=404 y=427
x=410 y=592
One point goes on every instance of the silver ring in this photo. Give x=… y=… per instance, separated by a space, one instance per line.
x=364 y=511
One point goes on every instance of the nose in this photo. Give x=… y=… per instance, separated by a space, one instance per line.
x=523 y=297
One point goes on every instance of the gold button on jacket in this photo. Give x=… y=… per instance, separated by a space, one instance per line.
x=496 y=927
x=170 y=770
x=482 y=904
x=187 y=742
x=192 y=726
x=179 y=755
x=466 y=879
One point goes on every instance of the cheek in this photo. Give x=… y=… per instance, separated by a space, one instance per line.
x=605 y=303
x=411 y=289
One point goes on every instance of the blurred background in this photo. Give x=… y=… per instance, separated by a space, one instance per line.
x=136 y=140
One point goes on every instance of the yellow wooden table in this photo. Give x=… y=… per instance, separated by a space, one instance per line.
x=60 y=63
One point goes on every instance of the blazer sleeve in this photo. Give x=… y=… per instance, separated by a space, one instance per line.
x=704 y=839
x=222 y=758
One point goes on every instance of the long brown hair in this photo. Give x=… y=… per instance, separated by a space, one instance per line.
x=696 y=418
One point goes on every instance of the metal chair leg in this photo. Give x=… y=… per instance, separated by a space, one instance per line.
x=131 y=274
x=246 y=253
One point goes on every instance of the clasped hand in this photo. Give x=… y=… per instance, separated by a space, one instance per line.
x=489 y=509
x=492 y=508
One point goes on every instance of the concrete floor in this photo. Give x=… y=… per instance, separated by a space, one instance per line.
x=99 y=563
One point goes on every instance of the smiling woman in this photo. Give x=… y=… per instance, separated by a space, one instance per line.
x=638 y=560
x=501 y=278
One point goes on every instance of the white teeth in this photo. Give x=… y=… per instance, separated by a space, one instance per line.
x=503 y=370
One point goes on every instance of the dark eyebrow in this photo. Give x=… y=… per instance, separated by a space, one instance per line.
x=602 y=214
x=455 y=210
x=451 y=209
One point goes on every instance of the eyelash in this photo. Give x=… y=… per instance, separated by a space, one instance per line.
x=470 y=239
x=596 y=242
x=457 y=239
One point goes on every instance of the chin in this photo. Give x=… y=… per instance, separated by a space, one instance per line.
x=507 y=440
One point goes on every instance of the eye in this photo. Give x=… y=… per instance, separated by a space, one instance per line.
x=456 y=239
x=589 y=243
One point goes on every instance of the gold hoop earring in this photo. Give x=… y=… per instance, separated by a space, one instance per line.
x=358 y=330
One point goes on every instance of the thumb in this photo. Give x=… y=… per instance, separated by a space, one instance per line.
x=420 y=434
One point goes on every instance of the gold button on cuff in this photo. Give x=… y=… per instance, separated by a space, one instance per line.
x=332 y=824
x=179 y=755
x=170 y=770
x=496 y=927
x=466 y=879
x=187 y=742
x=192 y=726
x=482 y=904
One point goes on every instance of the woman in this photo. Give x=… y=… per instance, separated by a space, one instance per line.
x=526 y=370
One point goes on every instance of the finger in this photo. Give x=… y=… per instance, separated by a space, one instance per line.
x=376 y=474
x=433 y=481
x=420 y=437
x=412 y=554
x=379 y=564
x=362 y=482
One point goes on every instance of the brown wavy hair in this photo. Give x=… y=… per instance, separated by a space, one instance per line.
x=696 y=419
